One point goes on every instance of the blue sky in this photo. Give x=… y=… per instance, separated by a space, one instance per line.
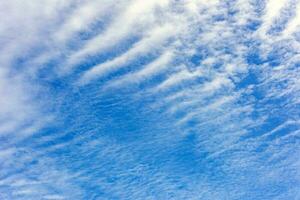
x=150 y=100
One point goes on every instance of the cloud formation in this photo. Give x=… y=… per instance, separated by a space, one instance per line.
x=157 y=99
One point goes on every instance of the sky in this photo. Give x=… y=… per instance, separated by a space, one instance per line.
x=150 y=100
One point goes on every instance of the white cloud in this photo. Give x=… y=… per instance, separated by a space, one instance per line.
x=82 y=18
x=153 y=42
x=17 y=109
x=294 y=23
x=273 y=8
x=156 y=66
x=208 y=92
x=136 y=17
x=178 y=78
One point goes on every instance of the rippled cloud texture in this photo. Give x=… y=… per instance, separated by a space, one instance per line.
x=150 y=99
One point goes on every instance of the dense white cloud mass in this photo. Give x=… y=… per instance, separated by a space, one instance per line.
x=158 y=99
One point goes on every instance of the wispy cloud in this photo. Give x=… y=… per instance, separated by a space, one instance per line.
x=155 y=99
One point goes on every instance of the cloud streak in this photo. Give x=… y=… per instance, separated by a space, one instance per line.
x=158 y=99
